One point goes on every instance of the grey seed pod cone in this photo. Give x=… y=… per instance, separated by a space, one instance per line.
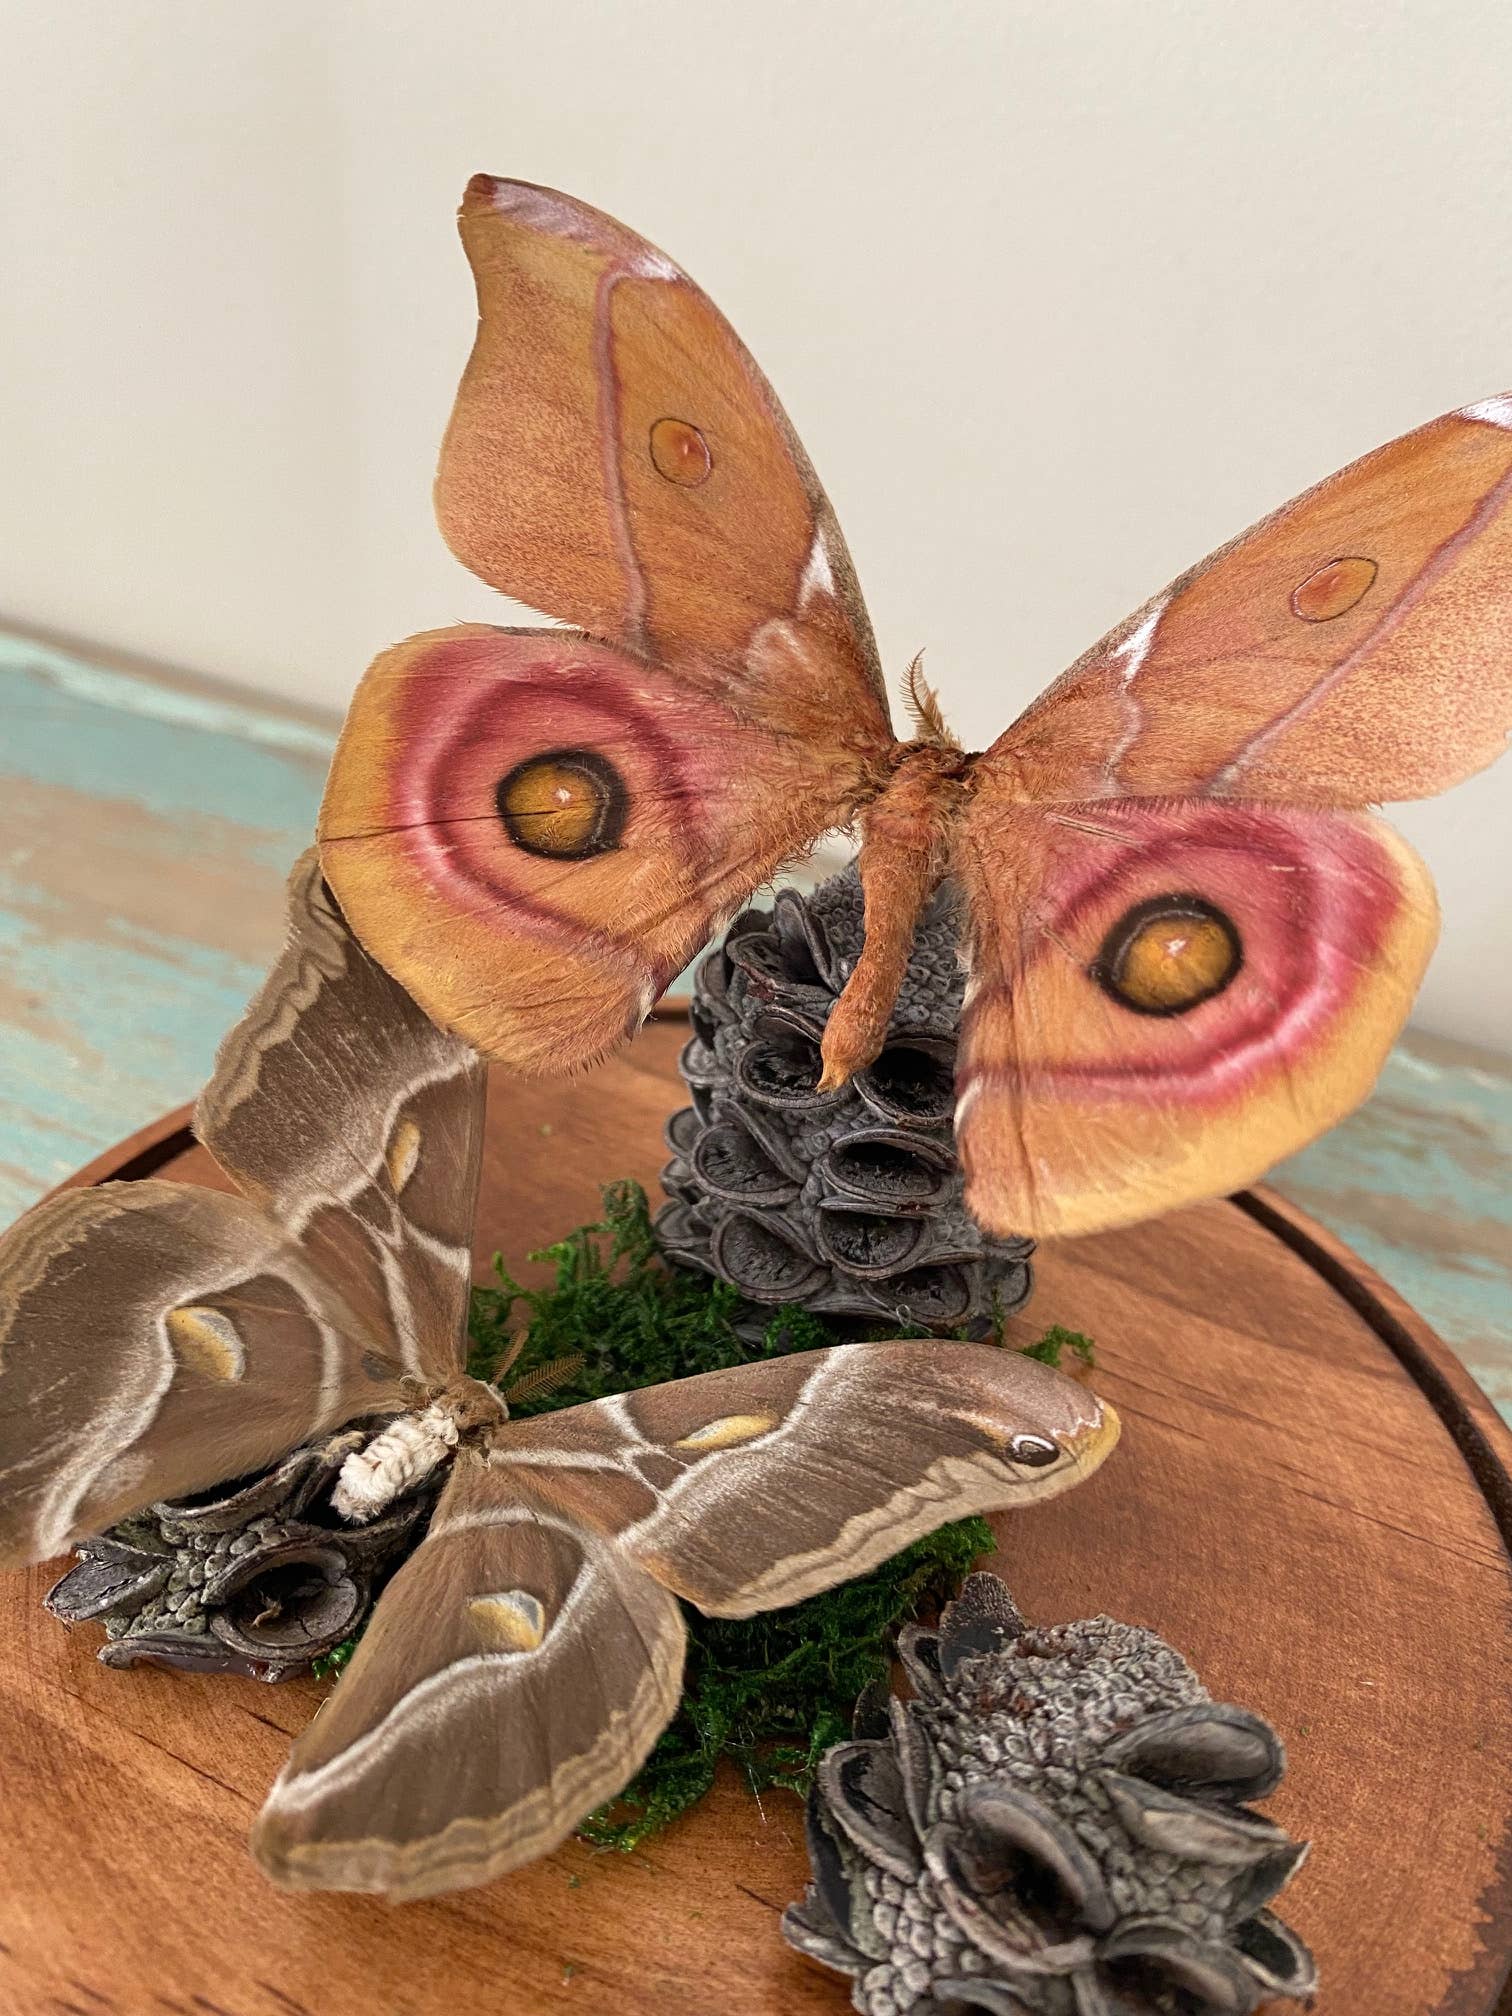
x=846 y=1203
x=257 y=1577
x=1057 y=1825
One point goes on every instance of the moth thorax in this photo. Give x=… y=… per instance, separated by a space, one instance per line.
x=397 y=1459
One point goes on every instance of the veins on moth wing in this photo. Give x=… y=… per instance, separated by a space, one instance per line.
x=1091 y=828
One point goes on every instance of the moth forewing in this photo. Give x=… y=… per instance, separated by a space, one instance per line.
x=357 y=1124
x=751 y=1488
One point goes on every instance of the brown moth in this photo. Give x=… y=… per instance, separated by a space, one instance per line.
x=156 y=1339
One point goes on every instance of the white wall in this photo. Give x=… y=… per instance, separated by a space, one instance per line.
x=1059 y=294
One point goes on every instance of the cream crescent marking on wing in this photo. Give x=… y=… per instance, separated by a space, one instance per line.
x=316 y=1183
x=1133 y=651
x=721 y=1471
x=470 y=1677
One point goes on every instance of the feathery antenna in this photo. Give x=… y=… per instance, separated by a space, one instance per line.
x=923 y=706
x=541 y=1378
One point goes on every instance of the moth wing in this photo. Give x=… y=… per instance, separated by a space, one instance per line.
x=748 y=1489
x=345 y=1113
x=1165 y=999
x=541 y=936
x=156 y=1339
x=616 y=460
x=515 y=1674
x=1354 y=648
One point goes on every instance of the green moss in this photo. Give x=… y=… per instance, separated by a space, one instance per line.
x=771 y=1692
x=632 y=1321
x=1056 y=1342
x=328 y=1664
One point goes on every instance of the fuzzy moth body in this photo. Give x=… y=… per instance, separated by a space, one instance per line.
x=394 y=1462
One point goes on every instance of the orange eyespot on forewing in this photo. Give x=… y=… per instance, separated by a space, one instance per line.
x=1333 y=590
x=1354 y=648
x=680 y=453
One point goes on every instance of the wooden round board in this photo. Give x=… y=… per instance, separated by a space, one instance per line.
x=1311 y=1501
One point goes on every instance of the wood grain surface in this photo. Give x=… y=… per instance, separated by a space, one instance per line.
x=1289 y=1506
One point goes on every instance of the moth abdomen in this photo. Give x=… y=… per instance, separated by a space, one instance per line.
x=413 y=1445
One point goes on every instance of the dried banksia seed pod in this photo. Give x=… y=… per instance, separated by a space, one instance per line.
x=1058 y=1825
x=847 y=1202
x=259 y=1576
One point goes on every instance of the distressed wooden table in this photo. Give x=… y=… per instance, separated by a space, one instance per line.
x=1311 y=1499
x=146 y=825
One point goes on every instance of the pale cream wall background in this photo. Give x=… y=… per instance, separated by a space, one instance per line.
x=1060 y=294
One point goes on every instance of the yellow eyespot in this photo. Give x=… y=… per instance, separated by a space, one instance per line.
x=206 y=1341
x=1333 y=590
x=1167 y=955
x=727 y=1431
x=511 y=1621
x=403 y=1154
x=566 y=805
x=680 y=453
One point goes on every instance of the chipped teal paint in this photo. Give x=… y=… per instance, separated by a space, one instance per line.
x=105 y=1021
x=1419 y=1184
x=143 y=1017
x=128 y=693
x=106 y=734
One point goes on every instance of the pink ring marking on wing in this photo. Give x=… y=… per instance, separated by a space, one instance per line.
x=459 y=735
x=1303 y=952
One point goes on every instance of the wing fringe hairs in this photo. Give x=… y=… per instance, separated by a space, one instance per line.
x=523 y=1660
